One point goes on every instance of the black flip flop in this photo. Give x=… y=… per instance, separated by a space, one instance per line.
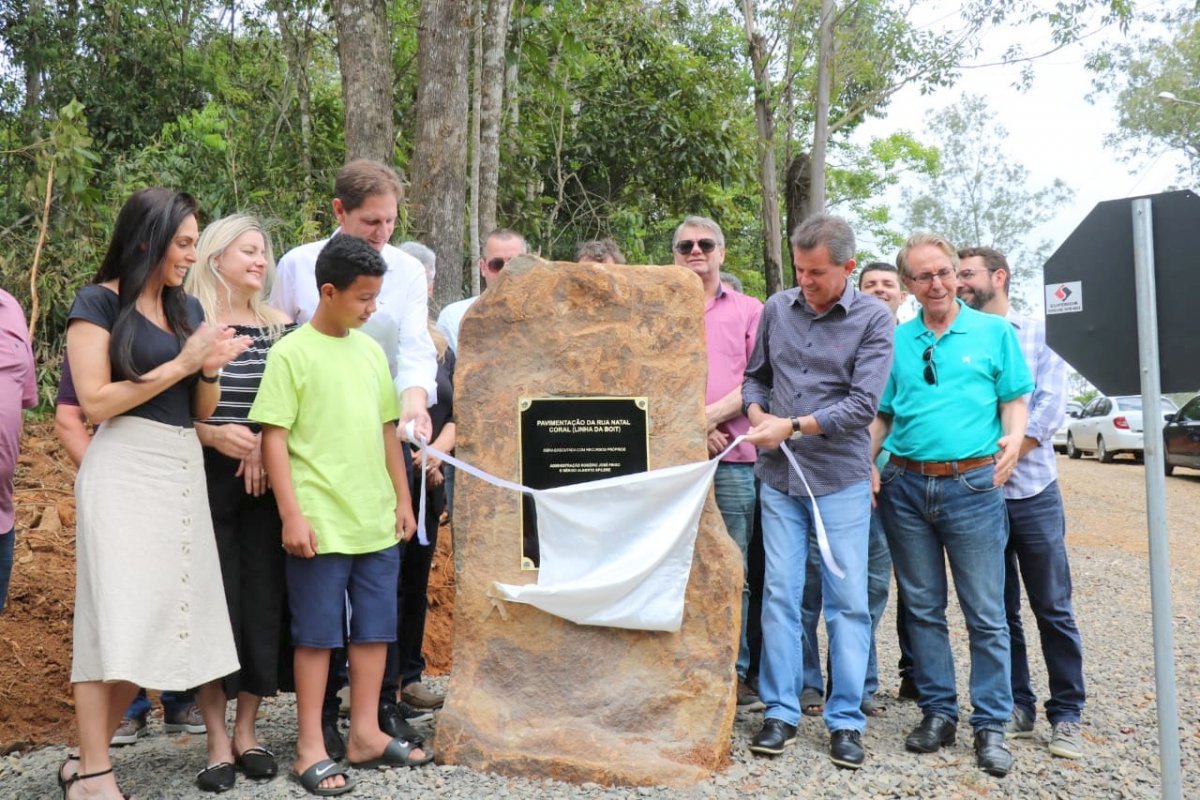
x=398 y=753
x=311 y=779
x=219 y=777
x=257 y=762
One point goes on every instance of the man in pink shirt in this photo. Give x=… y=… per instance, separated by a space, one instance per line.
x=730 y=328
x=18 y=390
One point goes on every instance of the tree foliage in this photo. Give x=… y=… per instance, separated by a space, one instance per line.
x=978 y=196
x=1138 y=71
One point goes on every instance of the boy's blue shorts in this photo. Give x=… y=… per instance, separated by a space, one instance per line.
x=317 y=592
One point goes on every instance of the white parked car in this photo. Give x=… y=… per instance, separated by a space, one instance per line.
x=1111 y=425
x=1059 y=440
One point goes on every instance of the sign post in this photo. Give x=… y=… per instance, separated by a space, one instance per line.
x=1166 y=701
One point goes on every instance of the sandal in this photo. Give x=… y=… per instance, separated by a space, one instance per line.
x=257 y=762
x=311 y=779
x=871 y=707
x=398 y=753
x=812 y=702
x=77 y=777
x=62 y=782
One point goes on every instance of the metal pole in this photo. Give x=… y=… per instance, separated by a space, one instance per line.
x=1156 y=501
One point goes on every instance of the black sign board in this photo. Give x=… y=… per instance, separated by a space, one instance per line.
x=1091 y=302
x=566 y=440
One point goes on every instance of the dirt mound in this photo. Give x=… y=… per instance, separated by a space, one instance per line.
x=35 y=628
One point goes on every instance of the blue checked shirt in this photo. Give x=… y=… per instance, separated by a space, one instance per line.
x=832 y=365
x=1047 y=404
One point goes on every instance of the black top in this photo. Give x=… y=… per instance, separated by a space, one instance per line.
x=240 y=378
x=152 y=347
x=442 y=411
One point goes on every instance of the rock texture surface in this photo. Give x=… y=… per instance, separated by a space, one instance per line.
x=533 y=695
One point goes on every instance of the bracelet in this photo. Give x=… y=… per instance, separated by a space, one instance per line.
x=208 y=379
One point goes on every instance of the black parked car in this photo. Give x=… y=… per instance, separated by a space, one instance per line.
x=1181 y=437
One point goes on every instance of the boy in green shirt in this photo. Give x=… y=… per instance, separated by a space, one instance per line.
x=328 y=411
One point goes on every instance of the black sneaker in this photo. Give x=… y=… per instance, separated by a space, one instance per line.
x=393 y=723
x=773 y=738
x=414 y=715
x=845 y=748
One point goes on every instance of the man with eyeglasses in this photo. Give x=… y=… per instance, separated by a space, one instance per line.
x=953 y=417
x=501 y=246
x=1037 y=528
x=812 y=386
x=730 y=328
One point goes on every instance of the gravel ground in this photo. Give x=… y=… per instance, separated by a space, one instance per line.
x=1113 y=607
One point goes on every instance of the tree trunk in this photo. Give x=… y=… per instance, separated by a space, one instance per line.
x=491 y=110
x=768 y=183
x=797 y=190
x=821 y=123
x=365 y=55
x=296 y=53
x=33 y=60
x=438 y=173
x=473 y=226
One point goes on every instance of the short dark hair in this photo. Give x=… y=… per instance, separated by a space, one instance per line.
x=597 y=250
x=993 y=259
x=363 y=178
x=344 y=258
x=877 y=266
x=825 y=229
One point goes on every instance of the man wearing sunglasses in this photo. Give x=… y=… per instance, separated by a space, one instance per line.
x=501 y=246
x=953 y=417
x=730 y=327
x=1036 y=523
x=813 y=385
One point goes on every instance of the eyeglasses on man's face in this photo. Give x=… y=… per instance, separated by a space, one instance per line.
x=930 y=367
x=926 y=278
x=685 y=246
x=969 y=274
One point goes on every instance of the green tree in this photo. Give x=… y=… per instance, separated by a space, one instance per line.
x=978 y=196
x=1138 y=72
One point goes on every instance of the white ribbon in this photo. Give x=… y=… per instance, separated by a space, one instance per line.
x=409 y=430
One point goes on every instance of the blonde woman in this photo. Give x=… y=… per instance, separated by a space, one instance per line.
x=233 y=273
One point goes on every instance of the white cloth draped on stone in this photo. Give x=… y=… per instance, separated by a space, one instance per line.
x=617 y=551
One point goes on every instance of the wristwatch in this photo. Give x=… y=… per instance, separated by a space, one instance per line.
x=796 y=432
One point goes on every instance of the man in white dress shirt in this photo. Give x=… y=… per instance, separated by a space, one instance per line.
x=365 y=198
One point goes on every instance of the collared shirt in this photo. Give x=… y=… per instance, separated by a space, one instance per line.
x=833 y=365
x=450 y=320
x=400 y=323
x=1037 y=469
x=978 y=364
x=18 y=390
x=730 y=330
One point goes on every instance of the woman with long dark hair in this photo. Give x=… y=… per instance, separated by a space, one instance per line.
x=149 y=604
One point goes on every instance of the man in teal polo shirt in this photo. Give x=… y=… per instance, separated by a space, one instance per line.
x=953 y=417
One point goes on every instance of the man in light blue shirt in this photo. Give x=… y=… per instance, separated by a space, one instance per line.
x=1037 y=527
x=953 y=417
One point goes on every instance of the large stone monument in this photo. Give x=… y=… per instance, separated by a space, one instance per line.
x=532 y=694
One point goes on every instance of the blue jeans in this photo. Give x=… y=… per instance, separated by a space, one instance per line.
x=879 y=578
x=171 y=702
x=786 y=522
x=7 y=543
x=961 y=517
x=1036 y=544
x=734 y=489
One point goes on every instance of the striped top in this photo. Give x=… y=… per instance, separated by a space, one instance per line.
x=240 y=377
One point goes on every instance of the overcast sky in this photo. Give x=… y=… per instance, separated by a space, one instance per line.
x=1053 y=130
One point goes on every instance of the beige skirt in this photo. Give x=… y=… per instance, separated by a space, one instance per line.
x=149 y=602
